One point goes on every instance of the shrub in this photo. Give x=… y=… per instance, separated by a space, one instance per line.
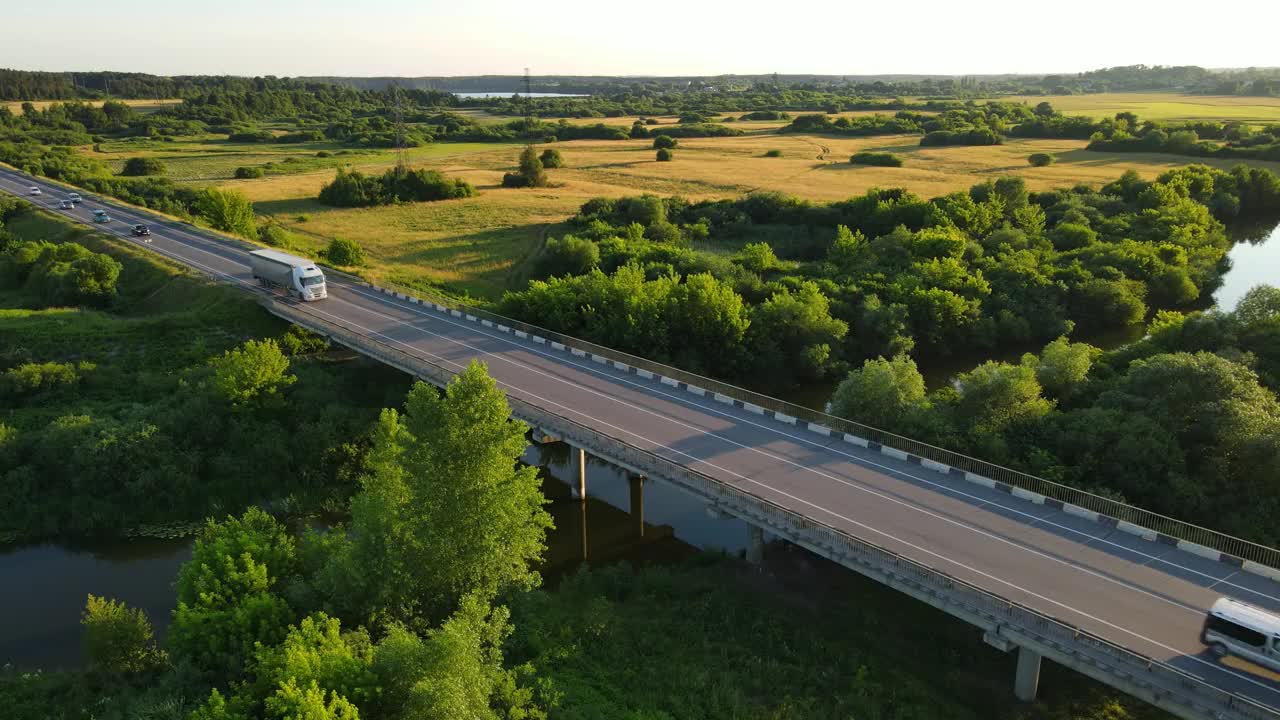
x=247 y=173
x=324 y=154
x=273 y=235
x=531 y=167
x=665 y=155
x=773 y=153
x=118 y=638
x=1040 y=159
x=32 y=378
x=878 y=159
x=351 y=188
x=551 y=158
x=345 y=252
x=664 y=142
x=514 y=180
x=228 y=210
x=568 y=256
x=139 y=166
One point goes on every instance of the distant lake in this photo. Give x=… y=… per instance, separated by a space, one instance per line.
x=1255 y=260
x=509 y=94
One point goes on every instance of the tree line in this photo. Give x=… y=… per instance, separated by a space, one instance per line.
x=815 y=286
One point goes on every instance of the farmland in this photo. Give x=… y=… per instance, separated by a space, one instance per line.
x=478 y=245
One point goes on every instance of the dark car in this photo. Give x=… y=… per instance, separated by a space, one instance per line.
x=141 y=230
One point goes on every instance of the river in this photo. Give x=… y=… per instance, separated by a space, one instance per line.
x=45 y=585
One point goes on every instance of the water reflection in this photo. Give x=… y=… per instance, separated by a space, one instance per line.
x=624 y=517
x=1255 y=260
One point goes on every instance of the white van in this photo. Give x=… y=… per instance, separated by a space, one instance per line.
x=1234 y=628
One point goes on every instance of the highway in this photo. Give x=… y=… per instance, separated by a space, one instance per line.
x=1148 y=597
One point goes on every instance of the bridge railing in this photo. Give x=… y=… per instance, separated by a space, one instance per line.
x=1163 y=524
x=1161 y=682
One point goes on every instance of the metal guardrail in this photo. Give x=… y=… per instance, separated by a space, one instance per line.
x=1236 y=547
x=1171 y=687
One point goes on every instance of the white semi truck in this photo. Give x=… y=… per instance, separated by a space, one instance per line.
x=299 y=277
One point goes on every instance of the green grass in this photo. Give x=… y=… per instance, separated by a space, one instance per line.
x=1171 y=107
x=715 y=639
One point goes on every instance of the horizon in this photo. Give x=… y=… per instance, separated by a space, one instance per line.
x=324 y=38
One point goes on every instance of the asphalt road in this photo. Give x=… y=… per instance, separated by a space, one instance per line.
x=1148 y=597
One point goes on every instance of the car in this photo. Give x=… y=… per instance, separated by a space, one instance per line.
x=66 y=205
x=140 y=230
x=101 y=216
x=74 y=198
x=34 y=191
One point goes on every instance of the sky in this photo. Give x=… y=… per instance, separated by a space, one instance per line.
x=580 y=37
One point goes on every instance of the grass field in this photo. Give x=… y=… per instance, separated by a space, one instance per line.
x=139 y=105
x=1166 y=106
x=477 y=245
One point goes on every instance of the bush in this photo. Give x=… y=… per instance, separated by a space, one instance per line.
x=568 y=256
x=345 y=252
x=138 y=167
x=551 y=158
x=773 y=153
x=664 y=142
x=32 y=378
x=248 y=173
x=351 y=188
x=228 y=210
x=665 y=155
x=117 y=638
x=514 y=180
x=273 y=235
x=878 y=159
x=1040 y=159
x=324 y=154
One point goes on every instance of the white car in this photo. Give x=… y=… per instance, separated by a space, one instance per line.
x=34 y=191
x=73 y=197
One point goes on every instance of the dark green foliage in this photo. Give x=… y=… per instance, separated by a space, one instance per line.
x=228 y=210
x=773 y=153
x=855 y=126
x=551 y=158
x=665 y=155
x=874 y=158
x=664 y=142
x=1040 y=159
x=60 y=274
x=980 y=136
x=531 y=168
x=248 y=173
x=138 y=166
x=347 y=253
x=352 y=188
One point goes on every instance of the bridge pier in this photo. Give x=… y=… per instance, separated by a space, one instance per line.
x=755 y=544
x=580 y=491
x=1027 y=680
x=637 y=503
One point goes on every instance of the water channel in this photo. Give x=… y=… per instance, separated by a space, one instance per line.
x=43 y=587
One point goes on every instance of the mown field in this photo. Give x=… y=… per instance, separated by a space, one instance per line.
x=142 y=105
x=477 y=245
x=1165 y=106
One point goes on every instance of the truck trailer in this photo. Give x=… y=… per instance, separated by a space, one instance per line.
x=299 y=277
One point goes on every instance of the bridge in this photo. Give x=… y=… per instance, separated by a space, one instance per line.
x=1046 y=571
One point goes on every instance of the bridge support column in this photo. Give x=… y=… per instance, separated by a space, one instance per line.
x=755 y=544
x=1027 y=680
x=637 y=504
x=581 y=491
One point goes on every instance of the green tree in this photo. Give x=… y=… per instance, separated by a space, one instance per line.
x=1063 y=366
x=665 y=155
x=996 y=396
x=882 y=393
x=1040 y=159
x=316 y=651
x=348 y=253
x=291 y=702
x=664 y=142
x=117 y=638
x=229 y=597
x=569 y=255
x=227 y=210
x=138 y=166
x=707 y=322
x=551 y=158
x=1260 y=305
x=445 y=510
x=847 y=249
x=792 y=335
x=255 y=370
x=455 y=672
x=757 y=257
x=531 y=168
